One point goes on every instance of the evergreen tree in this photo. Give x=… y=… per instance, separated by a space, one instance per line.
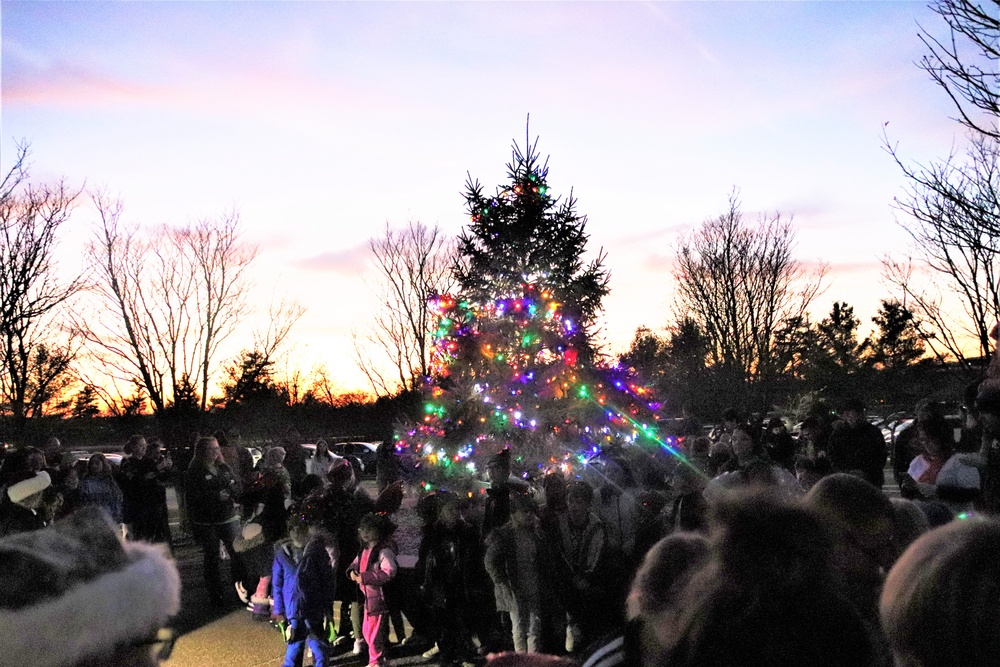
x=522 y=236
x=514 y=364
x=898 y=342
x=85 y=403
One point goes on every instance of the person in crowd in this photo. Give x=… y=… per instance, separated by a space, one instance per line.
x=268 y=498
x=371 y=570
x=988 y=409
x=22 y=503
x=322 y=460
x=862 y=522
x=496 y=512
x=765 y=596
x=689 y=508
x=940 y=605
x=160 y=472
x=342 y=503
x=814 y=437
x=387 y=465
x=239 y=460
x=580 y=553
x=779 y=444
x=808 y=471
x=721 y=458
x=271 y=492
x=210 y=489
x=938 y=471
x=99 y=488
x=295 y=458
x=69 y=487
x=515 y=557
x=909 y=522
x=303 y=589
x=652 y=522
x=752 y=469
x=129 y=477
x=75 y=595
x=857 y=446
x=906 y=445
x=652 y=605
x=617 y=504
x=450 y=553
x=142 y=480
x=971 y=438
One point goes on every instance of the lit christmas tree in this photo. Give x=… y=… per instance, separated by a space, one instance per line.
x=514 y=363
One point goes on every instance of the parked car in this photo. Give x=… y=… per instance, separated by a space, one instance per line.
x=114 y=458
x=362 y=452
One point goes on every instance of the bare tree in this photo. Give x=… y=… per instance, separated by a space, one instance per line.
x=166 y=303
x=414 y=264
x=739 y=282
x=952 y=207
x=221 y=261
x=947 y=333
x=966 y=64
x=34 y=354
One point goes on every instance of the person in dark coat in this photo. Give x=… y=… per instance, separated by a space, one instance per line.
x=858 y=446
x=210 y=491
x=450 y=560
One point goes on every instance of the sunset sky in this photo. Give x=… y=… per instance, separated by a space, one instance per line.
x=322 y=121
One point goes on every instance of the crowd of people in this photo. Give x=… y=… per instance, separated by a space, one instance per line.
x=747 y=546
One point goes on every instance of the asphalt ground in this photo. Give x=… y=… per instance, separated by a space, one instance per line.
x=228 y=636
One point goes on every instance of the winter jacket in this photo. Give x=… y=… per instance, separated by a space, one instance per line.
x=209 y=496
x=102 y=491
x=302 y=581
x=450 y=564
x=377 y=567
x=581 y=551
x=511 y=584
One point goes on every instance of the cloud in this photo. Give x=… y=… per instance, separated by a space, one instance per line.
x=347 y=262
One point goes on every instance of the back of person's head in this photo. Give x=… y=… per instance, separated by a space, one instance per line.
x=580 y=490
x=941 y=601
x=861 y=511
x=767 y=595
x=554 y=490
x=909 y=521
x=665 y=570
x=937 y=435
x=700 y=447
x=75 y=595
x=274 y=457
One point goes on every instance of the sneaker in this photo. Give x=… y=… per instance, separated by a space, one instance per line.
x=359 y=646
x=416 y=639
x=241 y=591
x=434 y=650
x=341 y=640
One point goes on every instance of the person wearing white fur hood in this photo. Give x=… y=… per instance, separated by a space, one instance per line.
x=76 y=595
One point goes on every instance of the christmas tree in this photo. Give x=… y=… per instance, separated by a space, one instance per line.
x=514 y=362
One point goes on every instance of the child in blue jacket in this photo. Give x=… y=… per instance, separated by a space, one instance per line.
x=303 y=583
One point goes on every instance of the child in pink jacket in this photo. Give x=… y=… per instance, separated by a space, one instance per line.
x=371 y=570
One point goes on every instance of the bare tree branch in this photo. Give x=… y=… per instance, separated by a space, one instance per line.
x=413 y=264
x=739 y=283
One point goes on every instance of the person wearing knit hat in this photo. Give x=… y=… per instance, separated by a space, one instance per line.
x=75 y=595
x=20 y=502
